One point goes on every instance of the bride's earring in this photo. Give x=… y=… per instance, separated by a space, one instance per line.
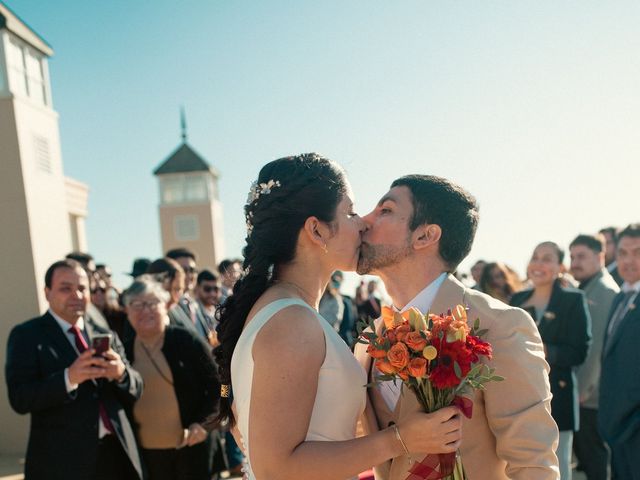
x=324 y=247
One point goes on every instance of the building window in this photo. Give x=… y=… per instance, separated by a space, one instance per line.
x=26 y=71
x=186 y=228
x=172 y=190
x=195 y=189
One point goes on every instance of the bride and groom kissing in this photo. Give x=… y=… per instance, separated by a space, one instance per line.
x=294 y=391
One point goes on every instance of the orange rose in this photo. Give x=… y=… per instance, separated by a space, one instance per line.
x=398 y=355
x=376 y=352
x=404 y=374
x=417 y=367
x=402 y=331
x=385 y=367
x=415 y=341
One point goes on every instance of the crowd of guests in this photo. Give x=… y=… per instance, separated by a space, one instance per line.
x=154 y=386
x=581 y=314
x=163 y=331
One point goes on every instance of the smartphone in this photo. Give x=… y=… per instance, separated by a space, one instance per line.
x=100 y=343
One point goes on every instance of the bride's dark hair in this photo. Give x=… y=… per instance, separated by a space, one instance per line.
x=288 y=191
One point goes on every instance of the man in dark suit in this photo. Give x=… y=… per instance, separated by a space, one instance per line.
x=79 y=429
x=619 y=413
x=587 y=267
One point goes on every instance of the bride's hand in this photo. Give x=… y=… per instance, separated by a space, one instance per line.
x=437 y=432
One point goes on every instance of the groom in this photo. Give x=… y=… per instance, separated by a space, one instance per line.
x=417 y=235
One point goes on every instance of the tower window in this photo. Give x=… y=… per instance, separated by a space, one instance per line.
x=186 y=227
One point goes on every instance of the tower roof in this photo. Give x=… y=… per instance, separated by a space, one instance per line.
x=184 y=159
x=19 y=27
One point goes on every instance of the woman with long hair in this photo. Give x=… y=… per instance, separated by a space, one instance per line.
x=564 y=324
x=499 y=281
x=296 y=389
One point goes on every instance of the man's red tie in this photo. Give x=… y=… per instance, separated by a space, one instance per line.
x=82 y=346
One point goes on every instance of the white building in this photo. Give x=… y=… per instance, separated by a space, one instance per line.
x=41 y=211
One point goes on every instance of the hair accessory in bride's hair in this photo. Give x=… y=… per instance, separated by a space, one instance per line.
x=225 y=391
x=256 y=190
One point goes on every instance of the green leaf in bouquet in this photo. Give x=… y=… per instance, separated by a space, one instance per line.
x=497 y=378
x=482 y=332
x=457 y=369
x=476 y=324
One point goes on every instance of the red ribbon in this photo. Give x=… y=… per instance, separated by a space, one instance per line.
x=441 y=465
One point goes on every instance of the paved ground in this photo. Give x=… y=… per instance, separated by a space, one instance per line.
x=11 y=468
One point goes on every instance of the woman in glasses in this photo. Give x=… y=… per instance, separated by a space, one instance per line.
x=181 y=387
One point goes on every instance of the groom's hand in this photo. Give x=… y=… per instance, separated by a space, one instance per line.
x=437 y=432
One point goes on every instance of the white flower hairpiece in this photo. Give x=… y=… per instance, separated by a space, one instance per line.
x=256 y=190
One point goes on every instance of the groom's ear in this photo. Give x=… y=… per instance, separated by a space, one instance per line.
x=426 y=236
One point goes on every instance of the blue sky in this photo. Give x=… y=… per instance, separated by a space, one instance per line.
x=532 y=106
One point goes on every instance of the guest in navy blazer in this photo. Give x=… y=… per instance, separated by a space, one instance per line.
x=77 y=401
x=564 y=324
x=619 y=412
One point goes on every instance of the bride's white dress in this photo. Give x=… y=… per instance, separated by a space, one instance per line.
x=341 y=395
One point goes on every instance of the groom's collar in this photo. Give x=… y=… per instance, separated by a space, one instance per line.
x=424 y=299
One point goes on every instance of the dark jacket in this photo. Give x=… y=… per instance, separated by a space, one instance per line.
x=63 y=437
x=619 y=413
x=195 y=378
x=565 y=329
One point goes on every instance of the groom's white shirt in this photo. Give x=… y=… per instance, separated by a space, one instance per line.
x=389 y=390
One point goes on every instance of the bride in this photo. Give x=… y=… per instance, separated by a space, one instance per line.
x=290 y=384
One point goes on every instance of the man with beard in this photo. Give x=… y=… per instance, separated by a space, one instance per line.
x=417 y=235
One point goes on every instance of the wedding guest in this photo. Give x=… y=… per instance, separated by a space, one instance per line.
x=619 y=412
x=139 y=267
x=587 y=266
x=110 y=309
x=370 y=308
x=498 y=281
x=89 y=265
x=187 y=260
x=230 y=269
x=337 y=309
x=170 y=275
x=611 y=238
x=564 y=324
x=476 y=273
x=181 y=387
x=76 y=400
x=208 y=293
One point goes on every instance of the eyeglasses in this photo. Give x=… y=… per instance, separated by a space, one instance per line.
x=139 y=305
x=210 y=289
x=190 y=270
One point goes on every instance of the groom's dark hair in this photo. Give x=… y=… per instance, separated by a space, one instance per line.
x=439 y=201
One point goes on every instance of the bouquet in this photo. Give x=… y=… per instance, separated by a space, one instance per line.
x=436 y=356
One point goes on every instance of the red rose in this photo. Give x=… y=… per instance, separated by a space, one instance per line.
x=478 y=347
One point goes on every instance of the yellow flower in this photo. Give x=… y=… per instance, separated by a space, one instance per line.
x=430 y=352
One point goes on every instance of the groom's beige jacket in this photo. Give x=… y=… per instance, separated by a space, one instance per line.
x=511 y=434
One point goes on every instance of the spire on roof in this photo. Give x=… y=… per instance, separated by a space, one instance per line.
x=183 y=125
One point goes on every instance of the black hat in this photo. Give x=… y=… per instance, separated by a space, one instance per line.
x=140 y=266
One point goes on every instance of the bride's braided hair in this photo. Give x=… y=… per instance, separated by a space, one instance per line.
x=303 y=186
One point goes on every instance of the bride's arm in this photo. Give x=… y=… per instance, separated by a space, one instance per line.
x=288 y=353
